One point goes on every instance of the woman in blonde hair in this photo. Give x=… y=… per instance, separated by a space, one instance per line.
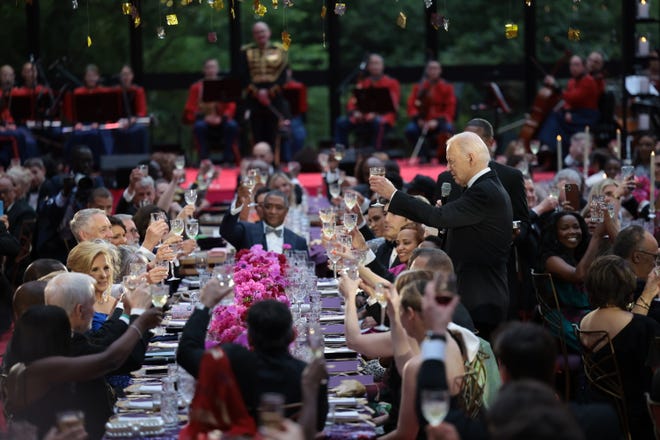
x=99 y=260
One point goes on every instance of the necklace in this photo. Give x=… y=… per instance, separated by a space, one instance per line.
x=104 y=299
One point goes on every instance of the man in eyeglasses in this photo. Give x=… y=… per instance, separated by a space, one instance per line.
x=270 y=232
x=640 y=249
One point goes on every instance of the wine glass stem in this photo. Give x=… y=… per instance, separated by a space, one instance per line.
x=334 y=269
x=382 y=316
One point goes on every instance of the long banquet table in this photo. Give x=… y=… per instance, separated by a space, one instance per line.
x=137 y=418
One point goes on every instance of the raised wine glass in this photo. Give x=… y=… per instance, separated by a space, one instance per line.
x=176 y=226
x=377 y=171
x=435 y=406
x=335 y=190
x=250 y=181
x=350 y=221
x=350 y=200
x=192 y=228
x=191 y=196
x=381 y=298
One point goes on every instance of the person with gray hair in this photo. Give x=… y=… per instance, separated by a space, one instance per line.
x=141 y=191
x=479 y=228
x=74 y=292
x=90 y=224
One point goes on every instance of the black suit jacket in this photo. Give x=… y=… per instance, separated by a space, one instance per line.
x=478 y=239
x=244 y=235
x=191 y=345
x=19 y=212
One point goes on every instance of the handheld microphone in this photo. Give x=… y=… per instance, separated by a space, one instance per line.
x=445 y=190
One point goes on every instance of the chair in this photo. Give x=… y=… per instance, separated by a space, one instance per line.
x=548 y=308
x=602 y=370
x=654 y=412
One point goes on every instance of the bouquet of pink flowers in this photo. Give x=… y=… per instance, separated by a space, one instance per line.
x=258 y=275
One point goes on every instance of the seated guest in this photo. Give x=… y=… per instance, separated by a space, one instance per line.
x=118 y=231
x=297 y=92
x=141 y=191
x=431 y=108
x=409 y=237
x=42 y=267
x=611 y=283
x=211 y=119
x=640 y=249
x=98 y=260
x=231 y=405
x=17 y=209
x=270 y=233
x=566 y=252
x=100 y=198
x=41 y=371
x=90 y=224
x=132 y=235
x=374 y=125
x=26 y=144
x=131 y=138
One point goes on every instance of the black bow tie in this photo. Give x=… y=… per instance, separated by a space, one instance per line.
x=276 y=231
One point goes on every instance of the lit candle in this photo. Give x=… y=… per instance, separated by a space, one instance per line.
x=652 y=192
x=618 y=143
x=643 y=9
x=643 y=47
x=560 y=159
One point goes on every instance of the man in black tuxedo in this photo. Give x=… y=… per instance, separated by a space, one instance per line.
x=479 y=228
x=270 y=232
x=513 y=183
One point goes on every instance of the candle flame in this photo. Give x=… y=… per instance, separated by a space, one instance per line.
x=642 y=39
x=558 y=138
x=643 y=2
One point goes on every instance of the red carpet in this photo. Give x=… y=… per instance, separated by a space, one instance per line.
x=224 y=187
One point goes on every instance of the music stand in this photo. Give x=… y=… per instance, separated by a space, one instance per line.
x=127 y=103
x=292 y=96
x=221 y=90
x=374 y=100
x=22 y=108
x=102 y=106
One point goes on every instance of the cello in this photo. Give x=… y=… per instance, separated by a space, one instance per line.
x=545 y=101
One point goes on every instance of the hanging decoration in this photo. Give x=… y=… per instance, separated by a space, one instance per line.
x=286 y=40
x=511 y=31
x=259 y=8
x=126 y=8
x=401 y=20
x=340 y=8
x=89 y=33
x=171 y=20
x=324 y=12
x=212 y=37
x=528 y=3
x=574 y=34
x=428 y=3
x=74 y=4
x=435 y=20
x=218 y=5
x=275 y=4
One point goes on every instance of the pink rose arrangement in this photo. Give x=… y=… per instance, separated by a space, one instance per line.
x=258 y=275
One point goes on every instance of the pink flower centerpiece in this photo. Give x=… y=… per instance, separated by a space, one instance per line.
x=258 y=275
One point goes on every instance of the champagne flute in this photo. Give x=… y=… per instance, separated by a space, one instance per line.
x=327 y=215
x=377 y=171
x=339 y=152
x=176 y=226
x=159 y=295
x=334 y=255
x=328 y=230
x=381 y=299
x=534 y=147
x=179 y=164
x=158 y=216
x=191 y=196
x=315 y=341
x=192 y=228
x=350 y=221
x=250 y=182
x=350 y=200
x=335 y=190
x=435 y=406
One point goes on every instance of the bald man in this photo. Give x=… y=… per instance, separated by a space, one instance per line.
x=479 y=228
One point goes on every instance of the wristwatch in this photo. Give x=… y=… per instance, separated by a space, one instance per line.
x=432 y=336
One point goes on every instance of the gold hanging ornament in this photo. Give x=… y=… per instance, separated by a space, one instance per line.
x=137 y=21
x=324 y=11
x=340 y=8
x=511 y=31
x=259 y=9
x=276 y=3
x=171 y=19
x=126 y=8
x=574 y=34
x=528 y=2
x=286 y=40
x=217 y=5
x=89 y=41
x=401 y=20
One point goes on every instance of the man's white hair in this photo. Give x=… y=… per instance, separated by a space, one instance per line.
x=81 y=221
x=69 y=289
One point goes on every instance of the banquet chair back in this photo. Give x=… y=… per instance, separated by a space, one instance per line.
x=548 y=308
x=602 y=370
x=654 y=412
